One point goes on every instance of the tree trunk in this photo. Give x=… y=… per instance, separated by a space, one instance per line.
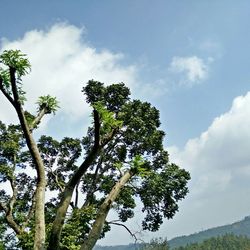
x=54 y=242
x=39 y=241
x=96 y=230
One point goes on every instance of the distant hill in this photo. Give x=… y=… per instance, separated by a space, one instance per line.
x=225 y=242
x=119 y=247
x=238 y=228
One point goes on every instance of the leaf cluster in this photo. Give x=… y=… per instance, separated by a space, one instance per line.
x=17 y=60
x=48 y=103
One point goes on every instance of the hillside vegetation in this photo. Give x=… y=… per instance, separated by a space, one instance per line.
x=238 y=228
x=226 y=242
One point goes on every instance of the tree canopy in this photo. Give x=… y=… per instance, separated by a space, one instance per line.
x=121 y=158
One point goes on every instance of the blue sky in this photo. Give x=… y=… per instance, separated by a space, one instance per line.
x=190 y=59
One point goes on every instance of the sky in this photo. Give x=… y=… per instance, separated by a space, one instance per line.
x=190 y=59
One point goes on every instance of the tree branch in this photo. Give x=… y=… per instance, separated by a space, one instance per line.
x=97 y=124
x=55 y=176
x=8 y=209
x=77 y=194
x=13 y=198
x=30 y=213
x=13 y=187
x=38 y=119
x=13 y=224
x=109 y=137
x=103 y=211
x=3 y=207
x=9 y=216
x=120 y=224
x=97 y=176
x=10 y=99
x=13 y=85
x=93 y=184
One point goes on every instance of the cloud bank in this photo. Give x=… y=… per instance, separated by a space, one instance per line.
x=62 y=62
x=219 y=163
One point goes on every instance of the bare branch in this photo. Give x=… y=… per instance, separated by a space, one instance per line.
x=120 y=224
x=56 y=177
x=77 y=194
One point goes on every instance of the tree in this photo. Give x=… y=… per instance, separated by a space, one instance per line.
x=157 y=244
x=121 y=157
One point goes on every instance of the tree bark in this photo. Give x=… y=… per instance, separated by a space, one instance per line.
x=96 y=230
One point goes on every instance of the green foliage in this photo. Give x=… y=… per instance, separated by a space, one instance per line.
x=76 y=227
x=2 y=246
x=225 y=242
x=108 y=119
x=49 y=103
x=113 y=96
x=238 y=228
x=160 y=192
x=156 y=244
x=138 y=145
x=5 y=76
x=17 y=60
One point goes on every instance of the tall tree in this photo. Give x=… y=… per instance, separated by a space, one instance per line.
x=121 y=157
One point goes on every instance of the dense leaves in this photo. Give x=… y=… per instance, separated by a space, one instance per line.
x=17 y=60
x=48 y=103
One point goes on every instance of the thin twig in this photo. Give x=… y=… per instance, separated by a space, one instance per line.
x=120 y=224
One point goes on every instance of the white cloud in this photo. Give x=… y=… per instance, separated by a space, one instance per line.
x=219 y=163
x=193 y=68
x=62 y=62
